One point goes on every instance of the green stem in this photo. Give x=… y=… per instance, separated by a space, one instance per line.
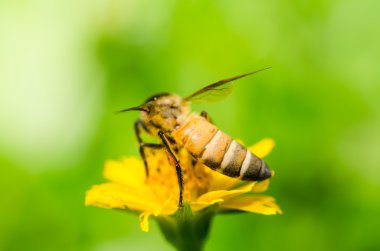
x=185 y=231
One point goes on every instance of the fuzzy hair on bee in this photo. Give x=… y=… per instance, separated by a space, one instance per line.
x=168 y=117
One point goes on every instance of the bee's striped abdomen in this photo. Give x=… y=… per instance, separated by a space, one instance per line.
x=233 y=159
x=215 y=150
x=254 y=168
x=219 y=151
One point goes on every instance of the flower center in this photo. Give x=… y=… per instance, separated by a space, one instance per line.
x=163 y=177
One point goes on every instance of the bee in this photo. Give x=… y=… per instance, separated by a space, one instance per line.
x=169 y=117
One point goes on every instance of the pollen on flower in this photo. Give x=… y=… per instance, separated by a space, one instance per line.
x=129 y=188
x=163 y=177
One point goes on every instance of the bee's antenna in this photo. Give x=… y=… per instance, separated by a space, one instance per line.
x=137 y=108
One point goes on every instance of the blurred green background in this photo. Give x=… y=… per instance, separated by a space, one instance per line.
x=66 y=66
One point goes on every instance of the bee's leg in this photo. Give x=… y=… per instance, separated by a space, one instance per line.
x=206 y=116
x=143 y=145
x=178 y=169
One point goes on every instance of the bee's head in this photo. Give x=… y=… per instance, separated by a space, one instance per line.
x=164 y=111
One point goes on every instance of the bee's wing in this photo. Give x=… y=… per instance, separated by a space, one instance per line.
x=218 y=90
x=211 y=93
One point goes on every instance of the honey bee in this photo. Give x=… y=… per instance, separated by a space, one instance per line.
x=169 y=117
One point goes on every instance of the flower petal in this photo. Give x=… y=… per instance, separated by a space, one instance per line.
x=213 y=197
x=129 y=171
x=169 y=207
x=200 y=205
x=226 y=194
x=261 y=186
x=220 y=181
x=144 y=221
x=112 y=195
x=253 y=203
x=263 y=147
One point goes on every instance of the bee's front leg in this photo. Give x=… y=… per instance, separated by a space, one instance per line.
x=178 y=169
x=143 y=145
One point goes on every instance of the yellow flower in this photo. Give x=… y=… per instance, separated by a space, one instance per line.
x=157 y=195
